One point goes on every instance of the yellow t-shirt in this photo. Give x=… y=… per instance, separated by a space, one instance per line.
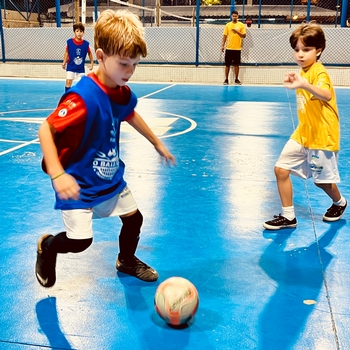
x=233 y=40
x=318 y=120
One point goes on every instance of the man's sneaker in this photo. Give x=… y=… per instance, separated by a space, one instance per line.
x=335 y=212
x=226 y=82
x=137 y=268
x=45 y=268
x=279 y=222
x=238 y=82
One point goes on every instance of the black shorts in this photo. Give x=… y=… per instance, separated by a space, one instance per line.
x=232 y=58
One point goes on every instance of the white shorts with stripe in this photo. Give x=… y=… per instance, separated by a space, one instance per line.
x=322 y=166
x=74 y=75
x=78 y=222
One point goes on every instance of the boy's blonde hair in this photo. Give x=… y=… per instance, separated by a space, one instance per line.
x=119 y=33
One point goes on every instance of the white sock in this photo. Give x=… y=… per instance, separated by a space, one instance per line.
x=341 y=202
x=288 y=212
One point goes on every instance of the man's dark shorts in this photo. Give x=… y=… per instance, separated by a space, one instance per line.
x=232 y=58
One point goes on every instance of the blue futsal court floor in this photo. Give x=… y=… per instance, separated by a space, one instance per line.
x=202 y=220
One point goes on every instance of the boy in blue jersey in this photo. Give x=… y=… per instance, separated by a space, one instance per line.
x=80 y=144
x=75 y=55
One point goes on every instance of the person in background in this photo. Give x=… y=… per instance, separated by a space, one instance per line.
x=75 y=55
x=234 y=32
x=249 y=22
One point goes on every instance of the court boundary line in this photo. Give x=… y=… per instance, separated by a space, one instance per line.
x=156 y=92
x=24 y=144
x=167 y=82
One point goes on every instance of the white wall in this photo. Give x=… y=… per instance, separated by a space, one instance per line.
x=178 y=45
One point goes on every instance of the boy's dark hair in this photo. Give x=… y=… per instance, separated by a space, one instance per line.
x=78 y=26
x=310 y=34
x=234 y=12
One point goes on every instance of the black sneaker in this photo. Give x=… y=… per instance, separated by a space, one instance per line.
x=335 y=212
x=226 y=82
x=279 y=222
x=45 y=268
x=138 y=269
x=237 y=81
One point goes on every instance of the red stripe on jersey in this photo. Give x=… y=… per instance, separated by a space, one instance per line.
x=69 y=120
x=120 y=95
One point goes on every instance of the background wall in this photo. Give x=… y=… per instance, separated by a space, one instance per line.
x=167 y=45
x=176 y=73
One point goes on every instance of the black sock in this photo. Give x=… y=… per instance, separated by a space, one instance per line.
x=129 y=236
x=62 y=244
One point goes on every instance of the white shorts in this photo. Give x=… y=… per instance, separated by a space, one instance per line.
x=73 y=75
x=322 y=166
x=78 y=222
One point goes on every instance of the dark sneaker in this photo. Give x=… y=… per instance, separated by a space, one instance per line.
x=335 y=212
x=45 y=268
x=138 y=269
x=237 y=81
x=279 y=222
x=226 y=82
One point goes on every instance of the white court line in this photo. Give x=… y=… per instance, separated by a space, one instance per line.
x=192 y=123
x=12 y=141
x=26 y=110
x=41 y=119
x=156 y=92
x=24 y=144
x=32 y=120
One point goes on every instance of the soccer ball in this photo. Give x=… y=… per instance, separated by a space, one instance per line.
x=176 y=301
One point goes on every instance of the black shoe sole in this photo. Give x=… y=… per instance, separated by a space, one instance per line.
x=326 y=218
x=270 y=227
x=45 y=282
x=131 y=272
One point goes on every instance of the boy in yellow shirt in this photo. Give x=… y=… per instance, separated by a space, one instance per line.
x=312 y=150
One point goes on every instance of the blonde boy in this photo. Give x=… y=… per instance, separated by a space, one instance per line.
x=80 y=144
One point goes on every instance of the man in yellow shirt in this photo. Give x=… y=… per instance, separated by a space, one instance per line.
x=234 y=32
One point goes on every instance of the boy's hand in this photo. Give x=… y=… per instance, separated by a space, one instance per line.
x=63 y=65
x=294 y=80
x=162 y=150
x=91 y=67
x=66 y=187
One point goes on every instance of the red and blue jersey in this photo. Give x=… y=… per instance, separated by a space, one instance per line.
x=77 y=51
x=87 y=123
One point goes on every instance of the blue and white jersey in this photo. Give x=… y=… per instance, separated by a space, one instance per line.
x=77 y=51
x=96 y=164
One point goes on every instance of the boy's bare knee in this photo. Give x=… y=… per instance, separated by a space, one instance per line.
x=281 y=173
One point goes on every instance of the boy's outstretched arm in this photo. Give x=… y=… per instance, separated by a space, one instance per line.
x=91 y=66
x=140 y=125
x=65 y=59
x=296 y=81
x=63 y=183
